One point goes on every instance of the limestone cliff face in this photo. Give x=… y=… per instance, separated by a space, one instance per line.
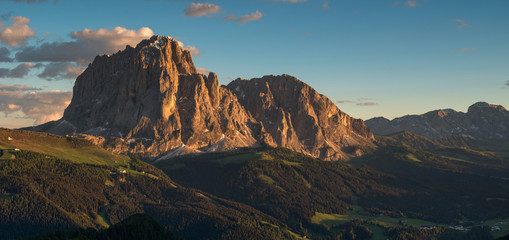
x=296 y=116
x=481 y=121
x=150 y=100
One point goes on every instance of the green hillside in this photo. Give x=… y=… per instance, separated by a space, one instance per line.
x=50 y=182
x=69 y=148
x=396 y=187
x=41 y=192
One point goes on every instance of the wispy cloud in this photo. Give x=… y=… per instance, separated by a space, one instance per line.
x=507 y=83
x=18 y=33
x=203 y=71
x=462 y=23
x=18 y=72
x=367 y=104
x=201 y=9
x=193 y=50
x=408 y=3
x=60 y=71
x=230 y=17
x=411 y=3
x=250 y=17
x=17 y=88
x=41 y=106
x=363 y=102
x=462 y=50
x=326 y=5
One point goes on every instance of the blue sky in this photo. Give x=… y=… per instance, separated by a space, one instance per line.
x=373 y=58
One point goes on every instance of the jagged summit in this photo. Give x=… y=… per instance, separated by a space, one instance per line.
x=296 y=116
x=484 y=106
x=151 y=100
x=481 y=121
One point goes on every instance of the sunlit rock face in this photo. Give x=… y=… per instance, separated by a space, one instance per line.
x=481 y=121
x=295 y=116
x=151 y=100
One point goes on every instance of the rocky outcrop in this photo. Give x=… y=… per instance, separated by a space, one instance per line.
x=150 y=100
x=294 y=115
x=482 y=121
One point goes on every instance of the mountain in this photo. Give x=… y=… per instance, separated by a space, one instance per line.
x=295 y=116
x=481 y=121
x=151 y=101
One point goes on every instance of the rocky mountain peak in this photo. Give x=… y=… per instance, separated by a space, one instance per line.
x=150 y=100
x=482 y=121
x=296 y=116
x=484 y=106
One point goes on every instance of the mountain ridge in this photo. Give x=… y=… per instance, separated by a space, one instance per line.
x=150 y=100
x=481 y=121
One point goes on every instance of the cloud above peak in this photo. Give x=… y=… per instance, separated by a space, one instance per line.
x=201 y=9
x=85 y=46
x=16 y=34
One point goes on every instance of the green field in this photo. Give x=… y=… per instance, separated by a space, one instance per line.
x=357 y=212
x=69 y=148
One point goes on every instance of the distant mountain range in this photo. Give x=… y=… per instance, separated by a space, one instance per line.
x=151 y=100
x=482 y=121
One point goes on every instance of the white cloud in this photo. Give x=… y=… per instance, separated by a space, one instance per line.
x=250 y=17
x=60 y=71
x=18 y=33
x=87 y=44
x=201 y=9
x=193 y=50
x=203 y=71
x=41 y=106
